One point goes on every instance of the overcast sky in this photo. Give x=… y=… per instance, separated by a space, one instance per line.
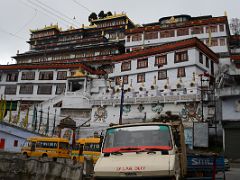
x=17 y=17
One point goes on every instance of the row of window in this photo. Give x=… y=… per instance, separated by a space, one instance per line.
x=162 y=74
x=28 y=89
x=180 y=32
x=44 y=75
x=161 y=60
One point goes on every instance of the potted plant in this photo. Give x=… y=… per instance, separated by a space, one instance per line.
x=152 y=87
x=165 y=86
x=129 y=89
x=141 y=88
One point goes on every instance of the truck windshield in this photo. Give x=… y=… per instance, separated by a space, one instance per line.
x=137 y=138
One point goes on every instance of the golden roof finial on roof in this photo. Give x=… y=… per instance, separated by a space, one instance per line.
x=225 y=13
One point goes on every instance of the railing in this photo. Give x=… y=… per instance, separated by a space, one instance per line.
x=228 y=91
x=146 y=99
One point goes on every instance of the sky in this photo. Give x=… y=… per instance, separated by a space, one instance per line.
x=17 y=17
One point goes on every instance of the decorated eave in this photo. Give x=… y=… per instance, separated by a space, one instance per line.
x=190 y=23
x=173 y=46
x=46 y=28
x=50 y=66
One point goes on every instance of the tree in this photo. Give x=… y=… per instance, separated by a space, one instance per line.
x=101 y=15
x=235 y=25
x=92 y=16
x=109 y=13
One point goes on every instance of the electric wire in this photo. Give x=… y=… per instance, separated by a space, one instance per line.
x=50 y=12
x=56 y=11
x=81 y=5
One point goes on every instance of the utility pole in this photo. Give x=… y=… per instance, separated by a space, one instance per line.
x=122 y=100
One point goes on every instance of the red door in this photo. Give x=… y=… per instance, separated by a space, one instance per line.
x=2 y=143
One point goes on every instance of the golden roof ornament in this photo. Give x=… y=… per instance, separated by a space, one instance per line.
x=171 y=20
x=79 y=73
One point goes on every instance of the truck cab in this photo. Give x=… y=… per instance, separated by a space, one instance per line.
x=143 y=150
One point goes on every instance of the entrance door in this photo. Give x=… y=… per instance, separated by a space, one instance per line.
x=2 y=143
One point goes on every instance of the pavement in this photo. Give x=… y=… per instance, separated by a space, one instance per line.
x=234 y=172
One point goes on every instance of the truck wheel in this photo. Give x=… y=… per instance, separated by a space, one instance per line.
x=25 y=155
x=44 y=156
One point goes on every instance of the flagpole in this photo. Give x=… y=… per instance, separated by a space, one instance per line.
x=54 y=121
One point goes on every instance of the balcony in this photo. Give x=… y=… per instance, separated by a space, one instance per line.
x=228 y=91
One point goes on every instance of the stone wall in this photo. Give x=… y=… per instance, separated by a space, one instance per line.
x=18 y=168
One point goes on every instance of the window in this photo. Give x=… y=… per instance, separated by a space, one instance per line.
x=126 y=66
x=201 y=57
x=125 y=79
x=141 y=78
x=207 y=62
x=213 y=42
x=197 y=30
x=222 y=42
x=137 y=37
x=28 y=75
x=12 y=77
x=213 y=28
x=150 y=35
x=46 y=75
x=160 y=60
x=221 y=27
x=118 y=80
x=60 y=88
x=15 y=143
x=44 y=89
x=128 y=38
x=181 y=56
x=26 y=89
x=10 y=89
x=181 y=72
x=166 y=34
x=142 y=63
x=61 y=75
x=162 y=74
x=182 y=32
x=92 y=147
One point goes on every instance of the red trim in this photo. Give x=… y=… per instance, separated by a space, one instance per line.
x=50 y=66
x=214 y=20
x=138 y=148
x=192 y=42
x=235 y=57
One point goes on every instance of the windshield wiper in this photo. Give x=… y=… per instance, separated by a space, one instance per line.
x=116 y=153
x=130 y=149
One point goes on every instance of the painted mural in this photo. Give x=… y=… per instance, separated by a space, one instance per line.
x=100 y=114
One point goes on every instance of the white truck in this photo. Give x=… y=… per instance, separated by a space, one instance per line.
x=143 y=151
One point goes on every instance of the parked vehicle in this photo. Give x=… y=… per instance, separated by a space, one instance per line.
x=143 y=150
x=46 y=147
x=86 y=147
